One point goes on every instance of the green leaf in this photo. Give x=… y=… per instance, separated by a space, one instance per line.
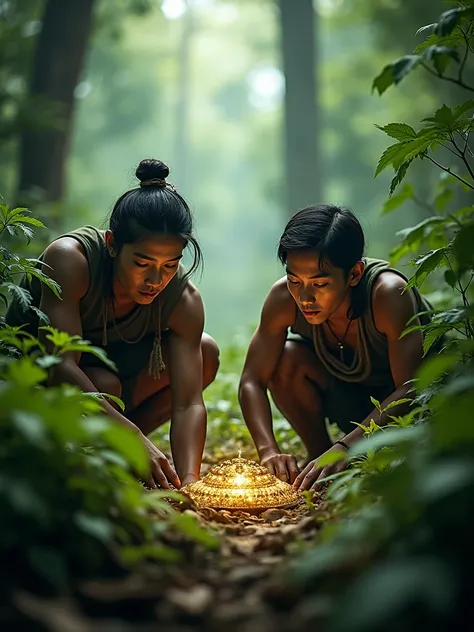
x=389 y=437
x=394 y=72
x=450 y=278
x=452 y=40
x=441 y=56
x=128 y=443
x=47 y=361
x=445 y=479
x=399 y=131
x=433 y=368
x=333 y=456
x=99 y=528
x=443 y=120
x=190 y=527
x=450 y=19
x=462 y=246
x=84 y=346
x=112 y=398
x=384 y=80
x=432 y=336
x=50 y=283
x=132 y=555
x=428 y=28
x=425 y=265
x=24 y=372
x=23 y=297
x=388 y=156
x=375 y=402
x=26 y=219
x=414 y=234
x=399 y=175
x=461 y=109
x=410 y=330
x=398 y=402
x=404 y=151
x=406 y=193
x=31 y=426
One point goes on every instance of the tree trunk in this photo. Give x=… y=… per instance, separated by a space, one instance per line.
x=302 y=165
x=181 y=154
x=59 y=58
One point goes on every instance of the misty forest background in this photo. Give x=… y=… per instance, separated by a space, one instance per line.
x=200 y=84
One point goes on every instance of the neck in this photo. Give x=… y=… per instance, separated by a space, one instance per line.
x=121 y=298
x=339 y=316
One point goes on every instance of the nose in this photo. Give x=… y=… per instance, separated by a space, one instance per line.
x=306 y=298
x=154 y=278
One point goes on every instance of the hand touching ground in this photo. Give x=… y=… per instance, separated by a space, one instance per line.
x=283 y=466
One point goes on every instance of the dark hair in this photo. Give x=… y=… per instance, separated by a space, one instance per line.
x=155 y=207
x=333 y=231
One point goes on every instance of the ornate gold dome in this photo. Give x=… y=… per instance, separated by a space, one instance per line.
x=241 y=484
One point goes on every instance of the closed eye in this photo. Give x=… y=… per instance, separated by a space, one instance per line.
x=292 y=281
x=141 y=265
x=320 y=284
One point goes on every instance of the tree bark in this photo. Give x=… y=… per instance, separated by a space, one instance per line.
x=181 y=154
x=302 y=164
x=58 y=63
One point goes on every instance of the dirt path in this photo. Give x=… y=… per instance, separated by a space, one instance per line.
x=240 y=587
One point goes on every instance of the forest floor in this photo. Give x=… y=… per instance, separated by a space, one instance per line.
x=245 y=585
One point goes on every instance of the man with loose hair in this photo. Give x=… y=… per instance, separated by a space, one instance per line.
x=346 y=314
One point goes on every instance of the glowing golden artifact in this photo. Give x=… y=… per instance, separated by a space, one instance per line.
x=241 y=484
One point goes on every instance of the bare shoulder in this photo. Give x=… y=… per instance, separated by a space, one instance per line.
x=188 y=314
x=392 y=304
x=279 y=308
x=67 y=264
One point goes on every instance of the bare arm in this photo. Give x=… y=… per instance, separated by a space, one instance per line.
x=68 y=267
x=264 y=352
x=393 y=307
x=188 y=414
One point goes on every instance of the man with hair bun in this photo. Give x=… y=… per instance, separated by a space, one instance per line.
x=125 y=290
x=346 y=314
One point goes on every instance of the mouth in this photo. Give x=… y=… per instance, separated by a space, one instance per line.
x=311 y=312
x=148 y=294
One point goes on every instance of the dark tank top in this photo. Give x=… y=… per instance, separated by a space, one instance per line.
x=97 y=325
x=370 y=364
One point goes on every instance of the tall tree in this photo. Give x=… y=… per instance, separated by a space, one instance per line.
x=58 y=62
x=302 y=165
x=181 y=156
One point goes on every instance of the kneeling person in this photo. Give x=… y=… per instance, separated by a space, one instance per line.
x=346 y=314
x=125 y=290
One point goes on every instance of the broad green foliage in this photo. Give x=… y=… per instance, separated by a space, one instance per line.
x=396 y=553
x=72 y=502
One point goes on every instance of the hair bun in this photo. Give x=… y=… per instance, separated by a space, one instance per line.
x=151 y=168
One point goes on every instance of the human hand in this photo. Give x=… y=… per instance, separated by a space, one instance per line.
x=317 y=470
x=283 y=466
x=162 y=473
x=189 y=478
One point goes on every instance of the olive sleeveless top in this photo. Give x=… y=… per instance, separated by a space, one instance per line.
x=370 y=364
x=98 y=326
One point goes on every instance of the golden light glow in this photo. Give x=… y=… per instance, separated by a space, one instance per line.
x=241 y=484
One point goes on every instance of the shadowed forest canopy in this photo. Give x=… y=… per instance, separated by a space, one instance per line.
x=200 y=84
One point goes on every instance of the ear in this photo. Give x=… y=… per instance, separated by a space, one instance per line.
x=110 y=243
x=356 y=274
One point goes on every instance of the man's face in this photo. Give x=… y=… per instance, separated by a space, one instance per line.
x=143 y=269
x=320 y=290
